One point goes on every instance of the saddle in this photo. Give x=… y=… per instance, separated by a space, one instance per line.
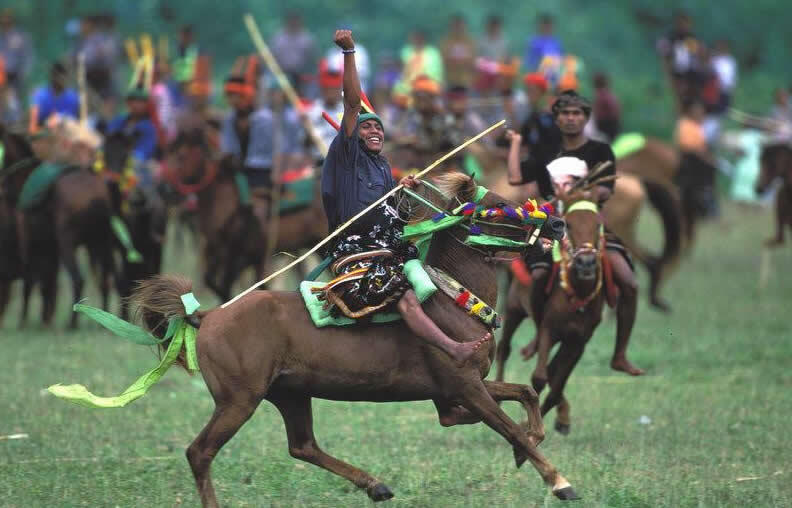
x=364 y=283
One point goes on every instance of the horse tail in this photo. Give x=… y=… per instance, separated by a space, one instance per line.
x=667 y=206
x=159 y=299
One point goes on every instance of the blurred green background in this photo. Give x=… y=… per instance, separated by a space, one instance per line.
x=617 y=37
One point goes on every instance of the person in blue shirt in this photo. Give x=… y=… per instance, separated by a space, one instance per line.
x=53 y=99
x=137 y=122
x=543 y=44
x=355 y=175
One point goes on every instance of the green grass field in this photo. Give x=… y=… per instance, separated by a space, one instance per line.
x=718 y=396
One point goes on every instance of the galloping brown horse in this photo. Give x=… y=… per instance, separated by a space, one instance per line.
x=265 y=346
x=776 y=164
x=233 y=237
x=573 y=309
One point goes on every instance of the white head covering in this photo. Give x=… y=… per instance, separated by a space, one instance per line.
x=563 y=168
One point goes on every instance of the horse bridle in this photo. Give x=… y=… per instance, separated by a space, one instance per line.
x=569 y=252
x=497 y=241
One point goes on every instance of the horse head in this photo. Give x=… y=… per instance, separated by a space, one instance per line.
x=190 y=165
x=583 y=245
x=775 y=162
x=483 y=220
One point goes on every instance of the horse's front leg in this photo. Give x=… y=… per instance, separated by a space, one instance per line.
x=539 y=376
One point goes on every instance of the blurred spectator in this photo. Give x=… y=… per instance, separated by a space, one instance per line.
x=16 y=52
x=184 y=65
x=330 y=102
x=388 y=75
x=540 y=135
x=493 y=51
x=725 y=66
x=163 y=102
x=100 y=49
x=543 y=44
x=295 y=49
x=53 y=100
x=335 y=62
x=464 y=123
x=681 y=51
x=421 y=59
x=696 y=175
x=606 y=108
x=493 y=46
x=459 y=54
x=782 y=109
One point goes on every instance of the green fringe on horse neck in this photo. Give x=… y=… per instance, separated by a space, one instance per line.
x=180 y=334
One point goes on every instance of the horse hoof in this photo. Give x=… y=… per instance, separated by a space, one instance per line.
x=661 y=305
x=379 y=492
x=566 y=494
x=562 y=428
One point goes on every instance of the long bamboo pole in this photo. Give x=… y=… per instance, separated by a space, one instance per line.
x=81 y=88
x=283 y=81
x=364 y=212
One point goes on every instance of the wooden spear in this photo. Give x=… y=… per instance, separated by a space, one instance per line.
x=363 y=212
x=81 y=88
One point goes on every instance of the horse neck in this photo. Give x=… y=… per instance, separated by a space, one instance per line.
x=464 y=264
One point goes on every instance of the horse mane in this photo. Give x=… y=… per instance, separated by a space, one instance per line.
x=454 y=188
x=455 y=185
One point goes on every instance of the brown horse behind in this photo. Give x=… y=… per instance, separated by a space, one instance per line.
x=233 y=238
x=265 y=346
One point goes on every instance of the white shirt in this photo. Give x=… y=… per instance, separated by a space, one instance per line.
x=725 y=67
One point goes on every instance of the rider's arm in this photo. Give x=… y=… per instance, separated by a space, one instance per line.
x=513 y=159
x=343 y=38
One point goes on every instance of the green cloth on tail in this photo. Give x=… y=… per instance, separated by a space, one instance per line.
x=122 y=234
x=180 y=333
x=627 y=144
x=35 y=188
x=416 y=275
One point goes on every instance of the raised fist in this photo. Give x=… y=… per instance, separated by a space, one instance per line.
x=343 y=39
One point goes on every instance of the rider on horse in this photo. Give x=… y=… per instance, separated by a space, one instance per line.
x=137 y=123
x=355 y=174
x=249 y=135
x=571 y=113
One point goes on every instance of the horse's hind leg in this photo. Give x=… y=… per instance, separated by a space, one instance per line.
x=478 y=401
x=563 y=421
x=227 y=419
x=297 y=416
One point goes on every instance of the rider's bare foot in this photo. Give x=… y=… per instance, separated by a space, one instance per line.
x=528 y=351
x=623 y=365
x=465 y=350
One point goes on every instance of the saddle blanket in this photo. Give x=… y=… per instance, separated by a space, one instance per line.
x=416 y=275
